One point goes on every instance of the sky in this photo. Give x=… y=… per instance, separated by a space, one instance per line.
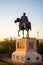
x=12 y=9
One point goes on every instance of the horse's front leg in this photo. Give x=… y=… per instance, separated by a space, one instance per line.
x=18 y=33
x=23 y=33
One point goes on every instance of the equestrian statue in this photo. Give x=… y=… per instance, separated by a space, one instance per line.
x=24 y=24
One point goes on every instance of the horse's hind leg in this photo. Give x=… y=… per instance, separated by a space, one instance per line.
x=27 y=33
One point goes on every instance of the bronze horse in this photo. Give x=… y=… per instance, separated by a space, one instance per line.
x=23 y=26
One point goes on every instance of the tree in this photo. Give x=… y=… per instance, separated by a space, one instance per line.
x=40 y=47
x=7 y=46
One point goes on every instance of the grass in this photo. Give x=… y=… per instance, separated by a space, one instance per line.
x=4 y=63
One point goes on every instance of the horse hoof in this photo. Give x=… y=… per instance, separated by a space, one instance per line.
x=18 y=35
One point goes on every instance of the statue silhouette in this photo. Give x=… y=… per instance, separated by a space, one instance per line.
x=24 y=24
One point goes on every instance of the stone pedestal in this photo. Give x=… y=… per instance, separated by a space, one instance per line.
x=26 y=51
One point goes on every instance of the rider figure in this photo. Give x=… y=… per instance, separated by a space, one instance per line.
x=24 y=18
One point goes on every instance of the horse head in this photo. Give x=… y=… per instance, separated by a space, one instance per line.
x=17 y=20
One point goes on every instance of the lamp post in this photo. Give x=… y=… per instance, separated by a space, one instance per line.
x=37 y=35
